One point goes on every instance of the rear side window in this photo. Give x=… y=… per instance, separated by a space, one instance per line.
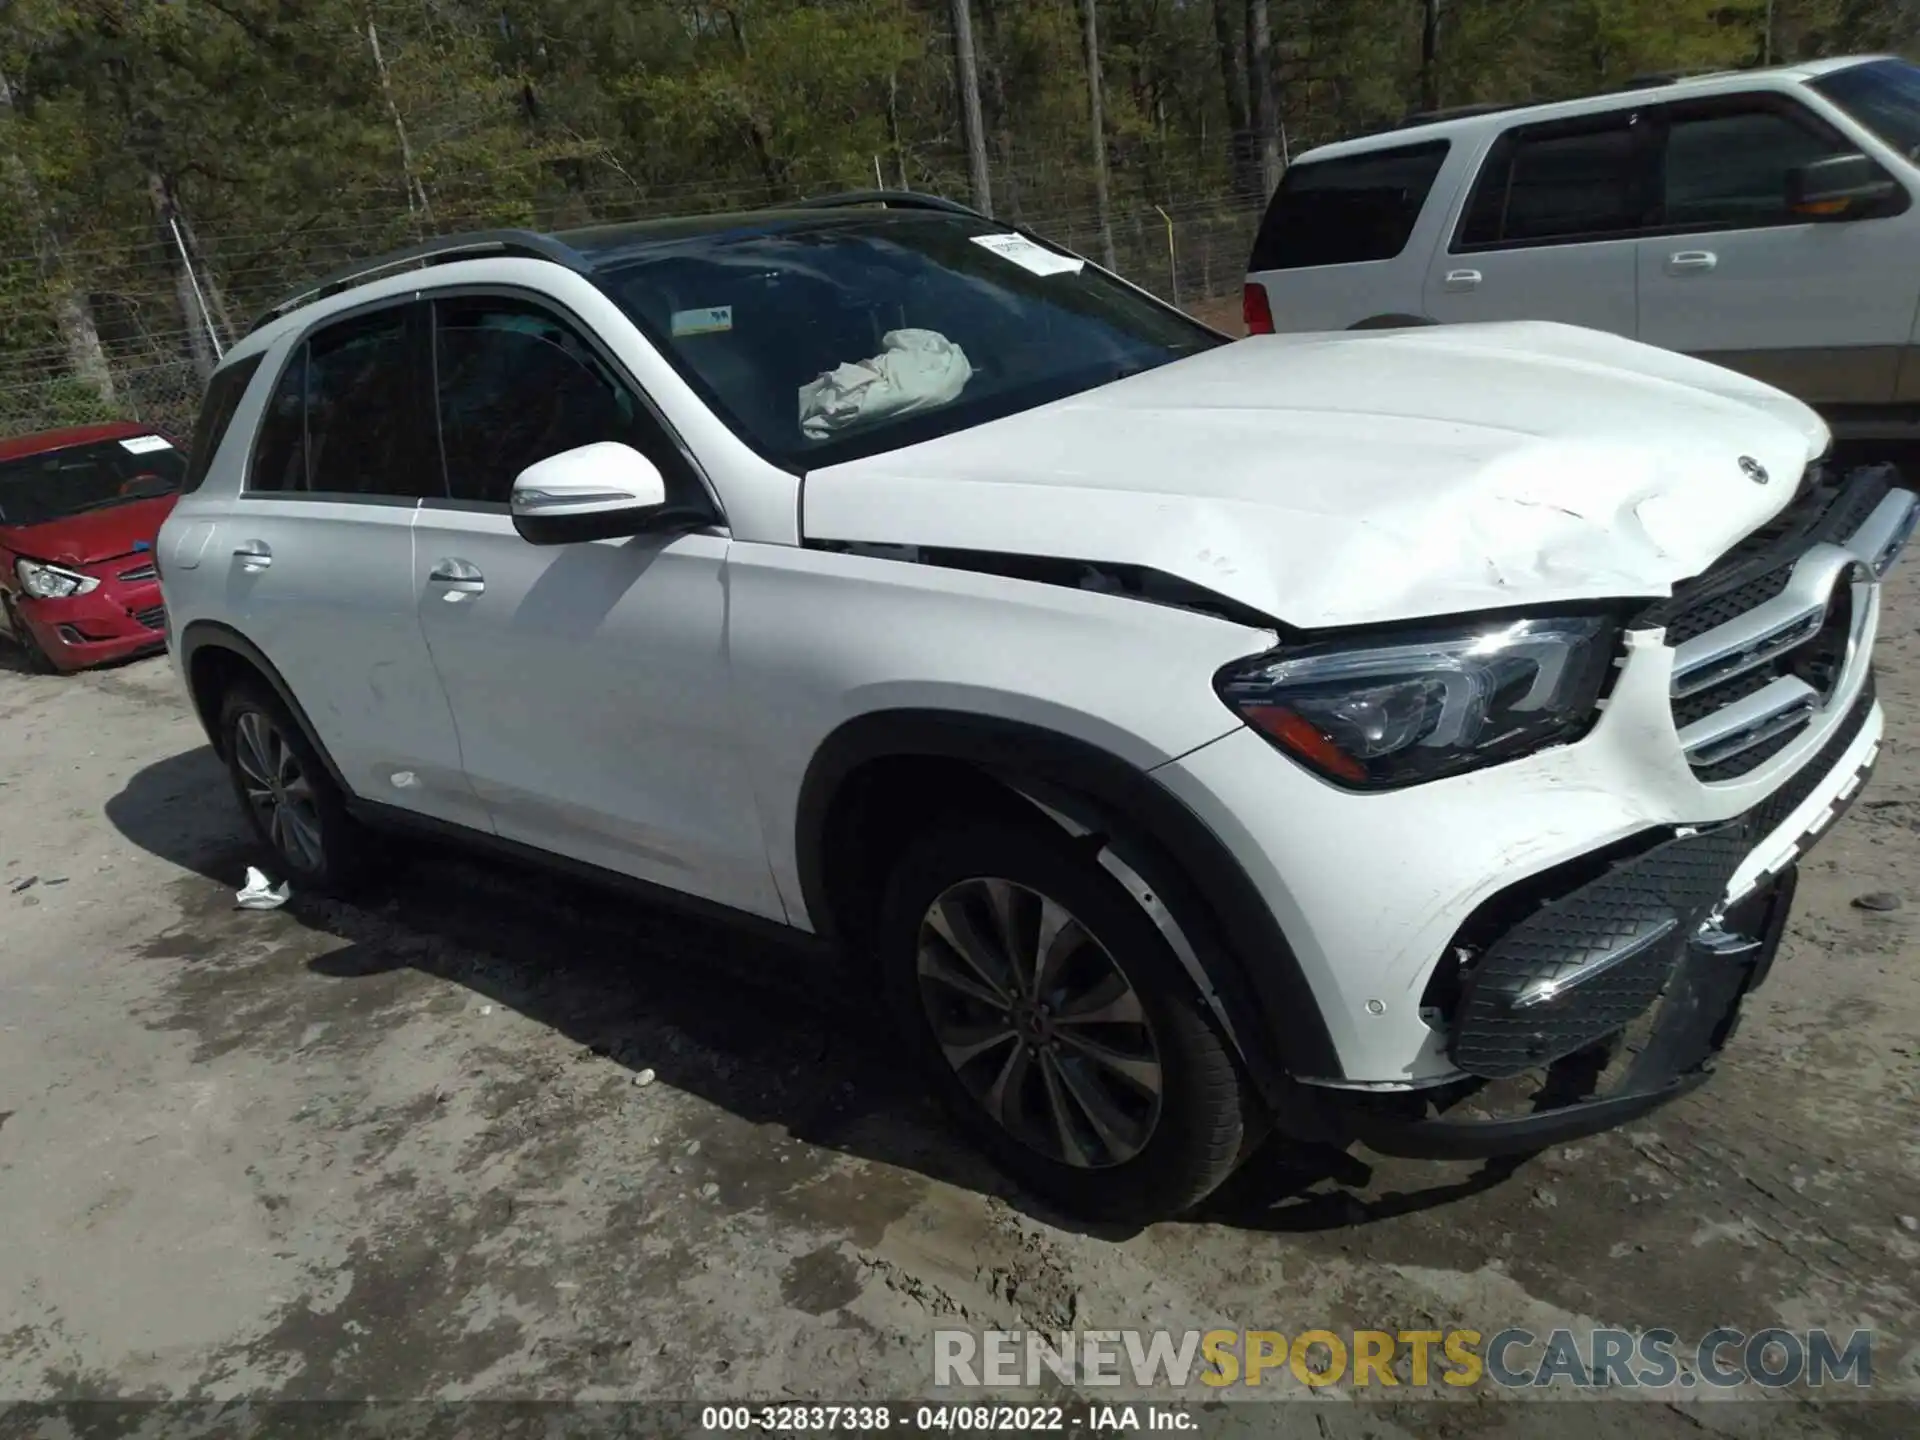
x=222 y=399
x=349 y=416
x=1355 y=208
x=1562 y=182
x=515 y=385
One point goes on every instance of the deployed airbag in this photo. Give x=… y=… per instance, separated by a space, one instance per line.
x=917 y=370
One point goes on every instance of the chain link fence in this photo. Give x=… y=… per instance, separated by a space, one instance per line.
x=1190 y=251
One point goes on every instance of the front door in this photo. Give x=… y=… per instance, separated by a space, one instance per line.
x=1818 y=308
x=318 y=554
x=589 y=682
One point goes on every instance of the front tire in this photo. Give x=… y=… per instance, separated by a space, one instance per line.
x=1052 y=1019
x=293 y=807
x=37 y=660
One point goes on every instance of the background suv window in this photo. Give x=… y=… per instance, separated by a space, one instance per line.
x=1726 y=166
x=224 y=391
x=1359 y=207
x=347 y=416
x=1562 y=182
x=516 y=385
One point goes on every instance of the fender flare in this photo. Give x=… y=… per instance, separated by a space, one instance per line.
x=202 y=635
x=1240 y=946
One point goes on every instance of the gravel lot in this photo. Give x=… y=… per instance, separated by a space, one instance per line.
x=399 y=1150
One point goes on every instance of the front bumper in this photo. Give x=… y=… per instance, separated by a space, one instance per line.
x=1377 y=894
x=1656 y=939
x=116 y=620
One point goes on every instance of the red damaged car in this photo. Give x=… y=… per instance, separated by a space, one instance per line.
x=79 y=513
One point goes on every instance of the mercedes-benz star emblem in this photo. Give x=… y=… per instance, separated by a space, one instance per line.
x=1753 y=470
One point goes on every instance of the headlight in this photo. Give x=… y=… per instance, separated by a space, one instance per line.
x=1415 y=706
x=51 y=582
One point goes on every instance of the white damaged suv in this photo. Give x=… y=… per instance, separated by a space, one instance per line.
x=1404 y=736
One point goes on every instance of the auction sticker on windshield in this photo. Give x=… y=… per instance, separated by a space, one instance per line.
x=1029 y=256
x=141 y=444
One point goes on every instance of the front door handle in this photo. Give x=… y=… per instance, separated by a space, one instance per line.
x=1462 y=280
x=253 y=555
x=456 y=579
x=1683 y=262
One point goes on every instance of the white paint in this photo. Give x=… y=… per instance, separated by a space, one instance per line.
x=1341 y=479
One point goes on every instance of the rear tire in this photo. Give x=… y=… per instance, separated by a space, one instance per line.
x=1055 y=1023
x=295 y=810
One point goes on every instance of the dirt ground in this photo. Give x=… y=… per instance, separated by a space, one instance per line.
x=397 y=1149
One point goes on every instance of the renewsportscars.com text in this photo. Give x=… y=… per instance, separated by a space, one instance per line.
x=1511 y=1358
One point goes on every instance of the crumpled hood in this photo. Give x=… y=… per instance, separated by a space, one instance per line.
x=92 y=535
x=1366 y=476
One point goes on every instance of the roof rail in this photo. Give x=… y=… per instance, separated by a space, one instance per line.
x=892 y=199
x=529 y=244
x=1453 y=112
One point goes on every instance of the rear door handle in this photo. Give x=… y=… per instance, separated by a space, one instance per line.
x=1686 y=261
x=253 y=555
x=1462 y=280
x=456 y=579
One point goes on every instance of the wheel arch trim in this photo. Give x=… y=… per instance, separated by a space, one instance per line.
x=203 y=635
x=1149 y=841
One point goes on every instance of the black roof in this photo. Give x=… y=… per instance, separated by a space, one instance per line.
x=586 y=250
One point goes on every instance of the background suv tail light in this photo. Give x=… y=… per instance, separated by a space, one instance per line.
x=1255 y=310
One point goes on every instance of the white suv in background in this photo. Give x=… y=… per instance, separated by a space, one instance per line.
x=1405 y=736
x=1763 y=220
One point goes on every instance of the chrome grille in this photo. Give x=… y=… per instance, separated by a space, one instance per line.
x=154 y=617
x=1764 y=639
x=140 y=572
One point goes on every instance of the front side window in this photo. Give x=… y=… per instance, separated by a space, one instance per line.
x=822 y=339
x=1355 y=208
x=99 y=475
x=1560 y=183
x=1726 y=163
x=347 y=416
x=516 y=385
x=1884 y=97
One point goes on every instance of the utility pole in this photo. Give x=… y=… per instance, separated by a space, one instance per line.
x=1430 y=55
x=1266 y=103
x=967 y=78
x=1102 y=214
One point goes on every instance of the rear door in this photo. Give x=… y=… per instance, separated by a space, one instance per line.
x=1732 y=275
x=1333 y=246
x=1548 y=229
x=317 y=557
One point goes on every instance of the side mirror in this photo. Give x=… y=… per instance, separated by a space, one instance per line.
x=595 y=492
x=1840 y=187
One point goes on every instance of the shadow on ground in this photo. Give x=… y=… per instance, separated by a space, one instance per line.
x=775 y=1034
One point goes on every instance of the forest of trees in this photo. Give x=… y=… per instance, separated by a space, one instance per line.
x=167 y=167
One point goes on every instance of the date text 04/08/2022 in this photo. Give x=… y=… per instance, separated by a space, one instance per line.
x=962 y=1418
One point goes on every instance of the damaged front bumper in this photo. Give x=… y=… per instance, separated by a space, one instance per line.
x=1618 y=992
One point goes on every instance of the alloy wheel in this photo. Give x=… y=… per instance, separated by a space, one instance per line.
x=1039 y=1022
x=279 y=790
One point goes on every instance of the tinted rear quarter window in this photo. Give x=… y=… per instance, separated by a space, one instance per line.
x=1355 y=208
x=1561 y=182
x=217 y=409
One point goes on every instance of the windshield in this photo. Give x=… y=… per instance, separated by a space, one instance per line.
x=1882 y=95
x=59 y=483
x=825 y=340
